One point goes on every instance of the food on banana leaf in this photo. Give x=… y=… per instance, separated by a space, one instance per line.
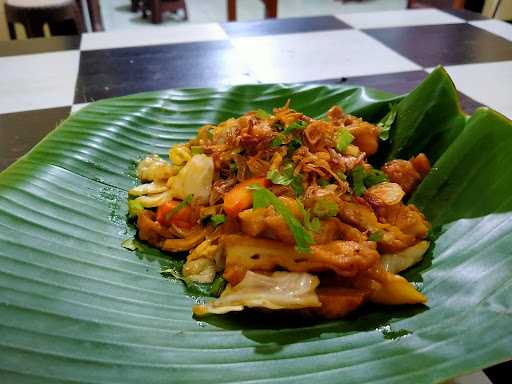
x=289 y=211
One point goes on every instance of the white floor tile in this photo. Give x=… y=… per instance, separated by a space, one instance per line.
x=497 y=27
x=43 y=80
x=152 y=36
x=398 y=18
x=473 y=378
x=77 y=107
x=487 y=83
x=318 y=55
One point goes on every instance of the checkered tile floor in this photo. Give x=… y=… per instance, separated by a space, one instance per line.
x=42 y=81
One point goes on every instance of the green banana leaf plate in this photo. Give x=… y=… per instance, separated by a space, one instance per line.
x=75 y=306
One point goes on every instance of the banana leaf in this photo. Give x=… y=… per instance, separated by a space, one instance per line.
x=78 y=307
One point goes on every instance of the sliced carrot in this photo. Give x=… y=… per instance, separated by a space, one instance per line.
x=240 y=197
x=183 y=218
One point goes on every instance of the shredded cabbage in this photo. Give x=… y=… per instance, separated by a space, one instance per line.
x=281 y=290
x=396 y=262
x=195 y=178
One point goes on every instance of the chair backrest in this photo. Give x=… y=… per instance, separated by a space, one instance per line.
x=499 y=9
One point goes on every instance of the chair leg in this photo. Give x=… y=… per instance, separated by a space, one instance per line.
x=135 y=6
x=156 y=12
x=270 y=9
x=231 y=10
x=185 y=15
x=12 y=31
x=33 y=28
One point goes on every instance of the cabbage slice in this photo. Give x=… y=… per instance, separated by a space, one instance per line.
x=397 y=262
x=195 y=178
x=281 y=290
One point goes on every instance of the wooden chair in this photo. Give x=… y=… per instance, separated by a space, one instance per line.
x=158 y=7
x=455 y=4
x=62 y=16
x=270 y=9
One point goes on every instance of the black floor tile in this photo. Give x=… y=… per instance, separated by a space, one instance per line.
x=20 y=131
x=280 y=26
x=122 y=71
x=447 y=44
x=39 y=45
x=465 y=14
x=397 y=83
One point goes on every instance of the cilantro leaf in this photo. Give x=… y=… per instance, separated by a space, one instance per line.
x=387 y=121
x=286 y=177
x=217 y=219
x=262 y=198
x=343 y=140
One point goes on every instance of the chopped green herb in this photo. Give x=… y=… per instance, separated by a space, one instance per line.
x=323 y=182
x=362 y=179
x=387 y=121
x=129 y=244
x=218 y=286
x=262 y=198
x=134 y=208
x=341 y=175
x=286 y=177
x=293 y=146
x=277 y=141
x=262 y=114
x=375 y=236
x=358 y=175
x=186 y=201
x=217 y=220
x=374 y=176
x=196 y=150
x=194 y=288
x=233 y=168
x=294 y=126
x=343 y=140
x=325 y=208
x=310 y=224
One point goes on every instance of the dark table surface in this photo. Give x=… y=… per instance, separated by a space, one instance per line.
x=44 y=80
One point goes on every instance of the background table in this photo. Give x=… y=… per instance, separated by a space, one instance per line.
x=42 y=81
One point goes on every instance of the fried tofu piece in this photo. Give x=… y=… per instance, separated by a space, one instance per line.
x=345 y=258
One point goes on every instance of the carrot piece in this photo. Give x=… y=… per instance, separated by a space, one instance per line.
x=183 y=218
x=240 y=197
